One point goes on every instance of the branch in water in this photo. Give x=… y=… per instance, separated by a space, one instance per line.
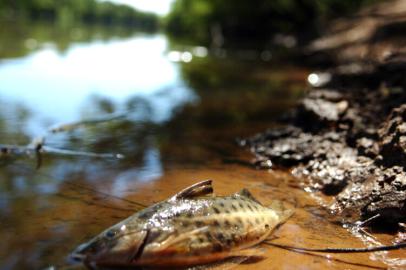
x=75 y=125
x=37 y=146
x=52 y=150
x=38 y=150
x=15 y=150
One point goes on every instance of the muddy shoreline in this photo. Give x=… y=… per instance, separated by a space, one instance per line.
x=347 y=137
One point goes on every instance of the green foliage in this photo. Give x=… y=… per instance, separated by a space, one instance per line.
x=70 y=12
x=254 y=20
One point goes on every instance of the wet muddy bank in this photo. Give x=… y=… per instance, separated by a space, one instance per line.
x=347 y=136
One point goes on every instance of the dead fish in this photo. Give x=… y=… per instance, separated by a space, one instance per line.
x=193 y=227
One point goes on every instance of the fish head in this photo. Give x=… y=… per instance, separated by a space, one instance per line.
x=120 y=244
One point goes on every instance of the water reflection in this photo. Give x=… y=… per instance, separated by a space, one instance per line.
x=151 y=170
x=131 y=77
x=117 y=70
x=120 y=96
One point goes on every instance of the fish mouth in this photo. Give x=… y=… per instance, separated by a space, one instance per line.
x=121 y=252
x=77 y=257
x=79 y=254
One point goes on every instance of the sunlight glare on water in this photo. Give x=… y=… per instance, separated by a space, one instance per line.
x=116 y=70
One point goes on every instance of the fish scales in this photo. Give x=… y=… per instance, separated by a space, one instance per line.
x=232 y=222
x=190 y=228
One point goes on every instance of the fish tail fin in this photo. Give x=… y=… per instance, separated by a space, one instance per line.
x=284 y=212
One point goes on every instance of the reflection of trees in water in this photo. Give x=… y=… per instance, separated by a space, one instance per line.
x=21 y=38
x=139 y=108
x=235 y=92
x=232 y=93
x=130 y=127
x=128 y=135
x=234 y=98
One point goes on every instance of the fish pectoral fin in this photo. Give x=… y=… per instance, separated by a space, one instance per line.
x=234 y=260
x=249 y=252
x=173 y=240
x=199 y=189
x=282 y=210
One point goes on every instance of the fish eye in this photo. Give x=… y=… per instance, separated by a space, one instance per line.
x=111 y=233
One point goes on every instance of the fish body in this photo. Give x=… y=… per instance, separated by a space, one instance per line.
x=190 y=228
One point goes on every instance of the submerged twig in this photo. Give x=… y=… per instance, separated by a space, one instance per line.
x=39 y=149
x=16 y=150
x=37 y=146
x=71 y=126
x=53 y=150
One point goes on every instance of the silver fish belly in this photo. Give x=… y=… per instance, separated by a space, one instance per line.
x=193 y=227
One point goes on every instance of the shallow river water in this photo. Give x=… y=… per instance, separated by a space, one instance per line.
x=175 y=112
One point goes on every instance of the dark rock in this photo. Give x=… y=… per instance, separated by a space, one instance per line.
x=326 y=94
x=381 y=193
x=320 y=109
x=285 y=151
x=347 y=146
x=366 y=177
x=327 y=171
x=393 y=138
x=367 y=147
x=324 y=110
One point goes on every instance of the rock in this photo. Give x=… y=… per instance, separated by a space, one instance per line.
x=324 y=110
x=320 y=109
x=284 y=151
x=326 y=94
x=367 y=147
x=393 y=138
x=328 y=170
x=381 y=193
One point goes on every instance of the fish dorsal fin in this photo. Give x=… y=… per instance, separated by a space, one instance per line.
x=199 y=189
x=245 y=193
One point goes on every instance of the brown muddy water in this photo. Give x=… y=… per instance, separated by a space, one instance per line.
x=179 y=111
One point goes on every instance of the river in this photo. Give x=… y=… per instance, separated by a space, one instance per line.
x=172 y=111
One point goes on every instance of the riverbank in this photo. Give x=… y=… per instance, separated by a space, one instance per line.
x=347 y=137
